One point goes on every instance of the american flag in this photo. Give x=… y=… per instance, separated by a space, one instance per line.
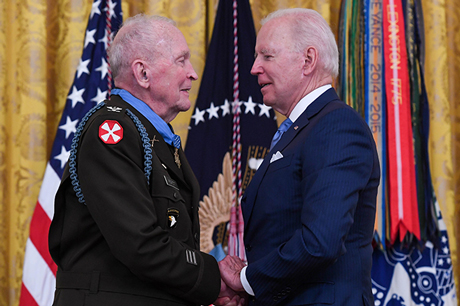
x=92 y=84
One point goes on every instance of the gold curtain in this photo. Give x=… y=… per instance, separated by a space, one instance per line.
x=40 y=46
x=442 y=74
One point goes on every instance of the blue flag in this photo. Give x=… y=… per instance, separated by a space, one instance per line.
x=409 y=276
x=210 y=133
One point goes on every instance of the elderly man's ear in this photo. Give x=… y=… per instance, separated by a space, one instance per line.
x=141 y=73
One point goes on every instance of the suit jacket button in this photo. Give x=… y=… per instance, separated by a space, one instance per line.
x=196 y=236
x=175 y=195
x=248 y=248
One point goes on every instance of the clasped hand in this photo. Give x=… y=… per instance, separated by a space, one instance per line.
x=232 y=292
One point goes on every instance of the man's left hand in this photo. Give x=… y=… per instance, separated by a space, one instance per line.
x=230 y=268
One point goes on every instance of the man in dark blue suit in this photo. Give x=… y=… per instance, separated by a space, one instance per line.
x=309 y=211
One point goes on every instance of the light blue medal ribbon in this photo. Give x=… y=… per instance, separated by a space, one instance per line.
x=160 y=125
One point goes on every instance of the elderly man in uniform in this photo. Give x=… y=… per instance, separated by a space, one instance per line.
x=126 y=228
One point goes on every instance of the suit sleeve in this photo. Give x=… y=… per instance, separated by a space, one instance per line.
x=334 y=164
x=117 y=195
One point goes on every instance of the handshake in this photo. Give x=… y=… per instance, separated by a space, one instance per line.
x=232 y=292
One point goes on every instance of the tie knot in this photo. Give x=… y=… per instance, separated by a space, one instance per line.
x=283 y=128
x=285 y=125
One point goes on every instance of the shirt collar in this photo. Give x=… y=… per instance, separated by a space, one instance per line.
x=160 y=125
x=306 y=101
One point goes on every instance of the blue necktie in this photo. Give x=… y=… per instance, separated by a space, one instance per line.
x=176 y=141
x=283 y=128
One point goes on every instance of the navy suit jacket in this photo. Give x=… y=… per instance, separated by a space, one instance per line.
x=309 y=216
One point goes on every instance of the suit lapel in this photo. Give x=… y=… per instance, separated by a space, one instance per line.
x=250 y=195
x=314 y=108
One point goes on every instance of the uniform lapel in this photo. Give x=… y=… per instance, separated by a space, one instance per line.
x=159 y=146
x=189 y=178
x=192 y=182
x=163 y=151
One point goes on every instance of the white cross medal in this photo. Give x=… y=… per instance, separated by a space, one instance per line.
x=110 y=132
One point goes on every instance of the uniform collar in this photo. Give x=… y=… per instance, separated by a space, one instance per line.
x=160 y=125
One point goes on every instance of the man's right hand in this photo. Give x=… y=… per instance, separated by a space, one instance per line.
x=228 y=297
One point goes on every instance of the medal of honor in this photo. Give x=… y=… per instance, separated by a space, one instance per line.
x=152 y=142
x=176 y=157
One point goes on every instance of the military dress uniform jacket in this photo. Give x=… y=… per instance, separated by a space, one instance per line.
x=125 y=229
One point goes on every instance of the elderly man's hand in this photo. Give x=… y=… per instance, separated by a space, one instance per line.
x=228 y=297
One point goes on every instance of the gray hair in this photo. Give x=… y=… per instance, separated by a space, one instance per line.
x=309 y=28
x=136 y=39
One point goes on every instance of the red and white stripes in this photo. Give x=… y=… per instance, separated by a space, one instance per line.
x=39 y=270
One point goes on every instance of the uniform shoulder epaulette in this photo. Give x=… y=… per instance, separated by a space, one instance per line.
x=73 y=152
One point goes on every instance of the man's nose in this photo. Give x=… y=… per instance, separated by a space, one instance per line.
x=192 y=74
x=256 y=68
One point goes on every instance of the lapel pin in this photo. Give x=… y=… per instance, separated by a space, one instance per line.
x=296 y=127
x=153 y=140
x=176 y=157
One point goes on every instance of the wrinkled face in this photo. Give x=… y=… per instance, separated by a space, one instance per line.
x=278 y=67
x=172 y=75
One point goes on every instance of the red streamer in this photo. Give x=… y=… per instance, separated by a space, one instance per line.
x=402 y=185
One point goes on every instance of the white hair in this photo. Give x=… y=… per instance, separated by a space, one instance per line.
x=136 y=39
x=309 y=28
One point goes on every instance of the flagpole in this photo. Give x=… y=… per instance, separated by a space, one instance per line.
x=234 y=243
x=108 y=30
x=237 y=122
